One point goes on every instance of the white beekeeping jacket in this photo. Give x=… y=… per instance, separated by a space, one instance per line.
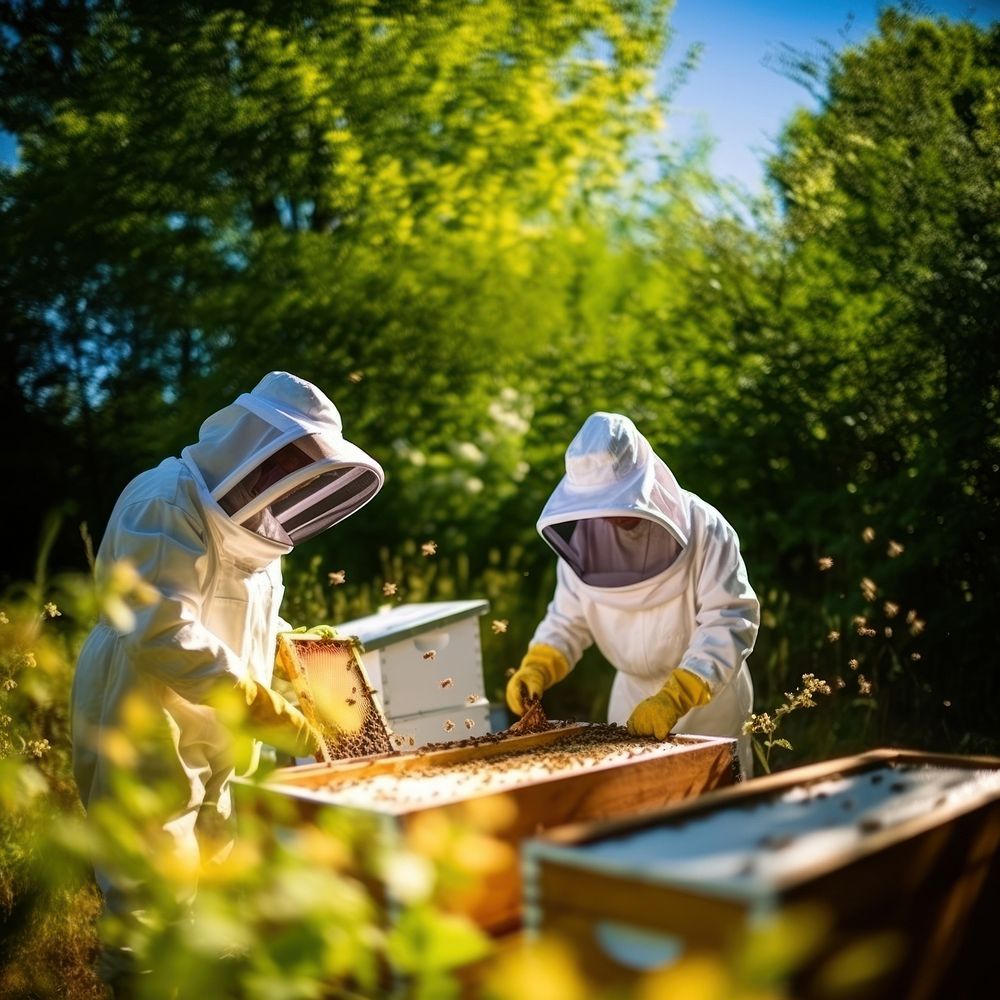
x=670 y=590
x=207 y=530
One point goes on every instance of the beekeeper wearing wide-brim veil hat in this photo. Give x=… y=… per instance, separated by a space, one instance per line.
x=653 y=575
x=205 y=532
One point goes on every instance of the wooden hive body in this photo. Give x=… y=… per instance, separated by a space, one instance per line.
x=890 y=843
x=662 y=773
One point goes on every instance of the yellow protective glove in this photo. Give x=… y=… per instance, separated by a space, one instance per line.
x=282 y=725
x=320 y=631
x=657 y=715
x=541 y=667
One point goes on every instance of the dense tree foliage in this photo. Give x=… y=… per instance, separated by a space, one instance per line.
x=440 y=214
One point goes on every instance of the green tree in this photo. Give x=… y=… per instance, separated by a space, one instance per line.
x=383 y=197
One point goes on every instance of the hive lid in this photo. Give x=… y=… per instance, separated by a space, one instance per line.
x=335 y=694
x=407 y=620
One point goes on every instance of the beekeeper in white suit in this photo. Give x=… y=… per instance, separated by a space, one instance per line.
x=654 y=576
x=207 y=531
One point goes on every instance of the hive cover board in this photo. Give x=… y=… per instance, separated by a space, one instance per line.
x=335 y=694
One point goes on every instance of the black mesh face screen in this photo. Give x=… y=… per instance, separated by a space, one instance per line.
x=560 y=536
x=323 y=501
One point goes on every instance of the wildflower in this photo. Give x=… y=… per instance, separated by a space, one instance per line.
x=389 y=589
x=355 y=377
x=868 y=589
x=825 y=562
x=429 y=548
x=868 y=534
x=430 y=654
x=853 y=664
x=469 y=724
x=446 y=682
x=337 y=577
x=499 y=626
x=38 y=747
x=833 y=636
x=448 y=725
x=890 y=609
x=894 y=549
x=52 y=611
x=864 y=685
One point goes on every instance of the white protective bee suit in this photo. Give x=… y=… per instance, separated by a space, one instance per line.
x=208 y=530
x=671 y=591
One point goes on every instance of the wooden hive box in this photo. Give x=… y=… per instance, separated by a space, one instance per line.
x=888 y=842
x=588 y=784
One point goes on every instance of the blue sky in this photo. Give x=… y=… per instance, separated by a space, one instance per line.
x=735 y=97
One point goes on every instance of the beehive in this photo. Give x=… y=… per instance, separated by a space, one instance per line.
x=425 y=661
x=892 y=842
x=567 y=773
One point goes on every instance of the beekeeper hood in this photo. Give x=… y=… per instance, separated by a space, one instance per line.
x=277 y=463
x=612 y=472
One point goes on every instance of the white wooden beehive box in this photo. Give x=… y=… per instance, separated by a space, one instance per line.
x=425 y=662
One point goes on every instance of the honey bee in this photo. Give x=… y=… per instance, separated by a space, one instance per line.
x=469 y=724
x=445 y=682
x=430 y=654
x=448 y=725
